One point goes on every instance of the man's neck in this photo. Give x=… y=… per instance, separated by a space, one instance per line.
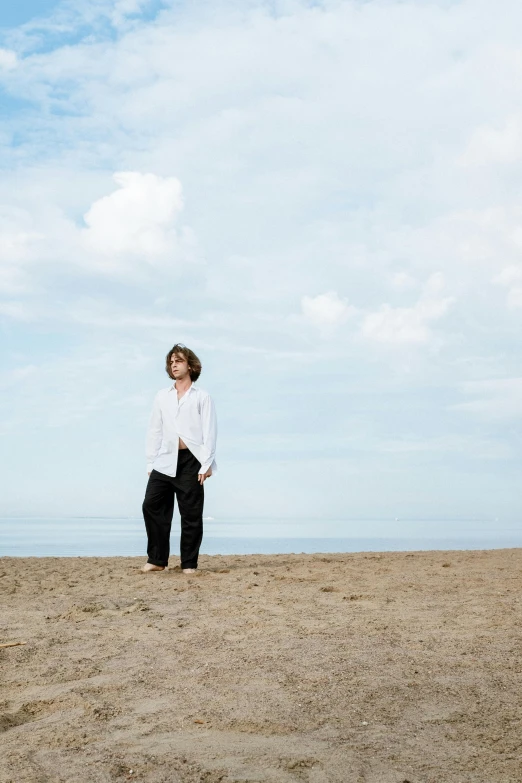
x=182 y=386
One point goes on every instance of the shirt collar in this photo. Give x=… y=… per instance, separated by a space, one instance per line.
x=192 y=386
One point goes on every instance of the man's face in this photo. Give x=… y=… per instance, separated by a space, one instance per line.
x=179 y=366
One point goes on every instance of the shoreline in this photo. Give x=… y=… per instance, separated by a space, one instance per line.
x=325 y=668
x=232 y=547
x=319 y=553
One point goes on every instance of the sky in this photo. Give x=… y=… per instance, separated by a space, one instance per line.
x=321 y=199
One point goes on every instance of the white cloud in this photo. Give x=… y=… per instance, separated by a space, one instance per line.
x=496 y=399
x=391 y=325
x=477 y=448
x=8 y=59
x=137 y=219
x=326 y=310
x=18 y=311
x=17 y=235
x=489 y=146
x=13 y=280
x=408 y=324
x=511 y=277
x=124 y=8
x=105 y=314
x=514 y=297
x=128 y=233
x=402 y=281
x=15 y=376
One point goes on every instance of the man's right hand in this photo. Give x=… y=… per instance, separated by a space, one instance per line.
x=203 y=476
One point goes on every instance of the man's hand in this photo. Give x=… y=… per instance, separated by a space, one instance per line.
x=203 y=476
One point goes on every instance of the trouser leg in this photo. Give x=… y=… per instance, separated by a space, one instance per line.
x=190 y=494
x=158 y=508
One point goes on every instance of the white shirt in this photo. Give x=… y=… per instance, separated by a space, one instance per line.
x=191 y=418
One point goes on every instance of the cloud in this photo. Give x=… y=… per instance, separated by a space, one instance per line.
x=497 y=399
x=476 y=448
x=326 y=310
x=402 y=281
x=408 y=325
x=105 y=314
x=138 y=219
x=8 y=59
x=131 y=233
x=388 y=324
x=511 y=277
x=488 y=146
x=125 y=8
x=514 y=297
x=17 y=235
x=13 y=281
x=17 y=375
x=17 y=311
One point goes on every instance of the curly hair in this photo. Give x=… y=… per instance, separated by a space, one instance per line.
x=193 y=361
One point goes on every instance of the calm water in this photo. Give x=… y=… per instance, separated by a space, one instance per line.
x=30 y=537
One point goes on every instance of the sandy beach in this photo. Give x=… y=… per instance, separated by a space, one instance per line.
x=352 y=668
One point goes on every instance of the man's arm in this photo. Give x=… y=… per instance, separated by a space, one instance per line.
x=209 y=427
x=154 y=434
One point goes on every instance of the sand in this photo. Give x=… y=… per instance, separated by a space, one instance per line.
x=352 y=668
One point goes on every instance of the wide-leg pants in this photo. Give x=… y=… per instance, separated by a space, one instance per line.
x=158 y=509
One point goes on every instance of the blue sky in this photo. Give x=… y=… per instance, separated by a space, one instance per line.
x=23 y=11
x=327 y=213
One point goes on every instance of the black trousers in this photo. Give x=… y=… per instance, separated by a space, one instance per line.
x=158 y=508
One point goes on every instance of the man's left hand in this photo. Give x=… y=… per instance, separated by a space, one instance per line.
x=203 y=476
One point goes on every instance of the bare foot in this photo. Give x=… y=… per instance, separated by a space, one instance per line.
x=189 y=570
x=151 y=567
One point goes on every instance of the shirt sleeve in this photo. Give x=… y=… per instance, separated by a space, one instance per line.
x=154 y=434
x=209 y=428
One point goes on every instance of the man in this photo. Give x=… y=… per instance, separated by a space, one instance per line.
x=181 y=443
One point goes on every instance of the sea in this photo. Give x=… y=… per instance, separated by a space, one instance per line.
x=125 y=536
